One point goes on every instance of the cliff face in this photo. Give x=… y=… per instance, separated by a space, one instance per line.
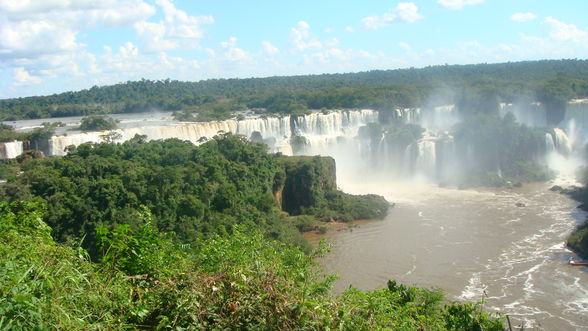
x=310 y=187
x=578 y=239
x=308 y=179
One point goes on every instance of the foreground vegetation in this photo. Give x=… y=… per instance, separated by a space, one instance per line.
x=144 y=279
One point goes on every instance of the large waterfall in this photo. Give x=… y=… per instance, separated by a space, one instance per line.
x=436 y=155
x=10 y=150
x=321 y=131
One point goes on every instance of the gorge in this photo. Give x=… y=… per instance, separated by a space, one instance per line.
x=473 y=243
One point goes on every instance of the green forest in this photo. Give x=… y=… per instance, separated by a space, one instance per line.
x=552 y=82
x=192 y=191
x=168 y=235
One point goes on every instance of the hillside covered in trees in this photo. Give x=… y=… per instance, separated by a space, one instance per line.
x=551 y=82
x=168 y=235
x=192 y=191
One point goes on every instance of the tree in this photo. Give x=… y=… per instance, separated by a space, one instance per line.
x=97 y=123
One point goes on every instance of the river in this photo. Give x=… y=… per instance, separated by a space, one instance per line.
x=470 y=243
x=473 y=244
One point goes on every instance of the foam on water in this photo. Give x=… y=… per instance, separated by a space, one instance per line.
x=519 y=273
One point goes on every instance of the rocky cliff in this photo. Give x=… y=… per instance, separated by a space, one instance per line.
x=310 y=187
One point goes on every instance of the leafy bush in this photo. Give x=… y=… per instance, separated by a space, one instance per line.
x=237 y=281
x=97 y=123
x=578 y=240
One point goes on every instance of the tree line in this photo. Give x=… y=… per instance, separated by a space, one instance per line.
x=551 y=82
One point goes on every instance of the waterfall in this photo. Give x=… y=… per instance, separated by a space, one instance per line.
x=549 y=144
x=410 y=160
x=446 y=158
x=185 y=131
x=577 y=110
x=321 y=130
x=277 y=127
x=437 y=155
x=325 y=131
x=532 y=114
x=426 y=159
x=11 y=150
x=383 y=155
x=562 y=142
x=441 y=118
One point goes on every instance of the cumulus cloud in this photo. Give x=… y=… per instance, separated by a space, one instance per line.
x=301 y=39
x=458 y=4
x=269 y=48
x=41 y=37
x=566 y=32
x=129 y=63
x=23 y=77
x=523 y=17
x=31 y=38
x=403 y=12
x=405 y=46
x=30 y=29
x=177 y=30
x=232 y=52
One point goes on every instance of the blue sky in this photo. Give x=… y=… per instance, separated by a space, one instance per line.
x=51 y=46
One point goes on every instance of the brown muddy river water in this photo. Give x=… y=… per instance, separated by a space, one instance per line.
x=471 y=244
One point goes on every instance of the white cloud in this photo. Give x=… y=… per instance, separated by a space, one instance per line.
x=33 y=29
x=458 y=4
x=403 y=12
x=29 y=7
x=30 y=38
x=126 y=13
x=405 y=46
x=301 y=39
x=331 y=43
x=23 y=77
x=174 y=63
x=177 y=30
x=269 y=49
x=232 y=52
x=523 y=17
x=349 y=29
x=566 y=32
x=129 y=63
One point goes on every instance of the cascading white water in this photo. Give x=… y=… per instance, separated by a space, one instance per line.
x=434 y=156
x=185 y=131
x=447 y=158
x=549 y=143
x=529 y=114
x=276 y=127
x=11 y=150
x=562 y=157
x=577 y=110
x=426 y=159
x=321 y=130
x=438 y=119
x=562 y=142
x=325 y=131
